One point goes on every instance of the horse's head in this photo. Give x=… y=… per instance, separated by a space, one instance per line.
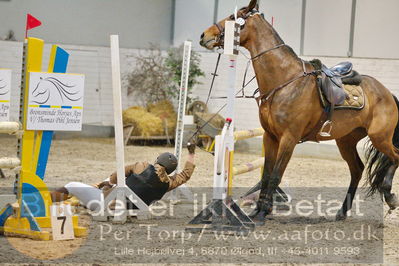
x=214 y=36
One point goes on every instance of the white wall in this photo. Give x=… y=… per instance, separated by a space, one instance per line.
x=286 y=13
x=287 y=19
x=89 y=22
x=191 y=19
x=226 y=7
x=376 y=29
x=327 y=27
x=194 y=16
x=140 y=22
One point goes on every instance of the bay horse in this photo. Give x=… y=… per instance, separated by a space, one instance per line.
x=290 y=110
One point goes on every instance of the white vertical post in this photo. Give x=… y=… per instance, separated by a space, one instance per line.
x=233 y=37
x=117 y=101
x=219 y=173
x=181 y=111
x=231 y=49
x=224 y=144
x=182 y=101
x=121 y=192
x=120 y=210
x=231 y=93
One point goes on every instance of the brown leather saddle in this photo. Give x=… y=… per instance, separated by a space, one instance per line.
x=330 y=82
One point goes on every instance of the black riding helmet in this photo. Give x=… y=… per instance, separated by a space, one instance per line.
x=167 y=160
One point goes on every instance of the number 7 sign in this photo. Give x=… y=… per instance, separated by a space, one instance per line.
x=61 y=222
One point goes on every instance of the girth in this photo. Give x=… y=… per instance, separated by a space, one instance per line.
x=264 y=97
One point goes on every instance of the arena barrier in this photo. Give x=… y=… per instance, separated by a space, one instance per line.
x=6 y=162
x=11 y=128
x=31 y=213
x=258 y=163
x=247 y=134
x=248 y=167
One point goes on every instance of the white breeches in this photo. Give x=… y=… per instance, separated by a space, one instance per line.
x=88 y=195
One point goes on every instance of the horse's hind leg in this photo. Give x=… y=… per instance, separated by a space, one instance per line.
x=347 y=148
x=383 y=143
x=390 y=198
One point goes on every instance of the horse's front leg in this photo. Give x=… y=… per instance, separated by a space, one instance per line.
x=270 y=145
x=264 y=207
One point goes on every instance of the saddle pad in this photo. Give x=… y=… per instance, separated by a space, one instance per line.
x=355 y=99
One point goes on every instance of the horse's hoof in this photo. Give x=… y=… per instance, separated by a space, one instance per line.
x=249 y=200
x=392 y=201
x=254 y=213
x=341 y=216
x=258 y=215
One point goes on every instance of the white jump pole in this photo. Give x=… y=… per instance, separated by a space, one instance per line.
x=121 y=191
x=180 y=115
x=219 y=180
x=182 y=102
x=223 y=211
x=9 y=127
x=7 y=162
x=224 y=158
x=118 y=125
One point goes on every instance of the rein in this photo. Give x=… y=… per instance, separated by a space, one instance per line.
x=244 y=84
x=209 y=120
x=214 y=74
x=268 y=50
x=263 y=98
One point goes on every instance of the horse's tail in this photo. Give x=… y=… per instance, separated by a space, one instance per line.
x=377 y=162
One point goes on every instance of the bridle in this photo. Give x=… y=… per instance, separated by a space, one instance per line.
x=261 y=98
x=220 y=38
x=241 y=19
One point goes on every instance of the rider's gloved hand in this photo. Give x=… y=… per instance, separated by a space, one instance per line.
x=104 y=184
x=191 y=147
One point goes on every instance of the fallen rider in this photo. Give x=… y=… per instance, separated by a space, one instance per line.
x=149 y=181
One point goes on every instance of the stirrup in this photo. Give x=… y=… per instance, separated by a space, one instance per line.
x=326 y=133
